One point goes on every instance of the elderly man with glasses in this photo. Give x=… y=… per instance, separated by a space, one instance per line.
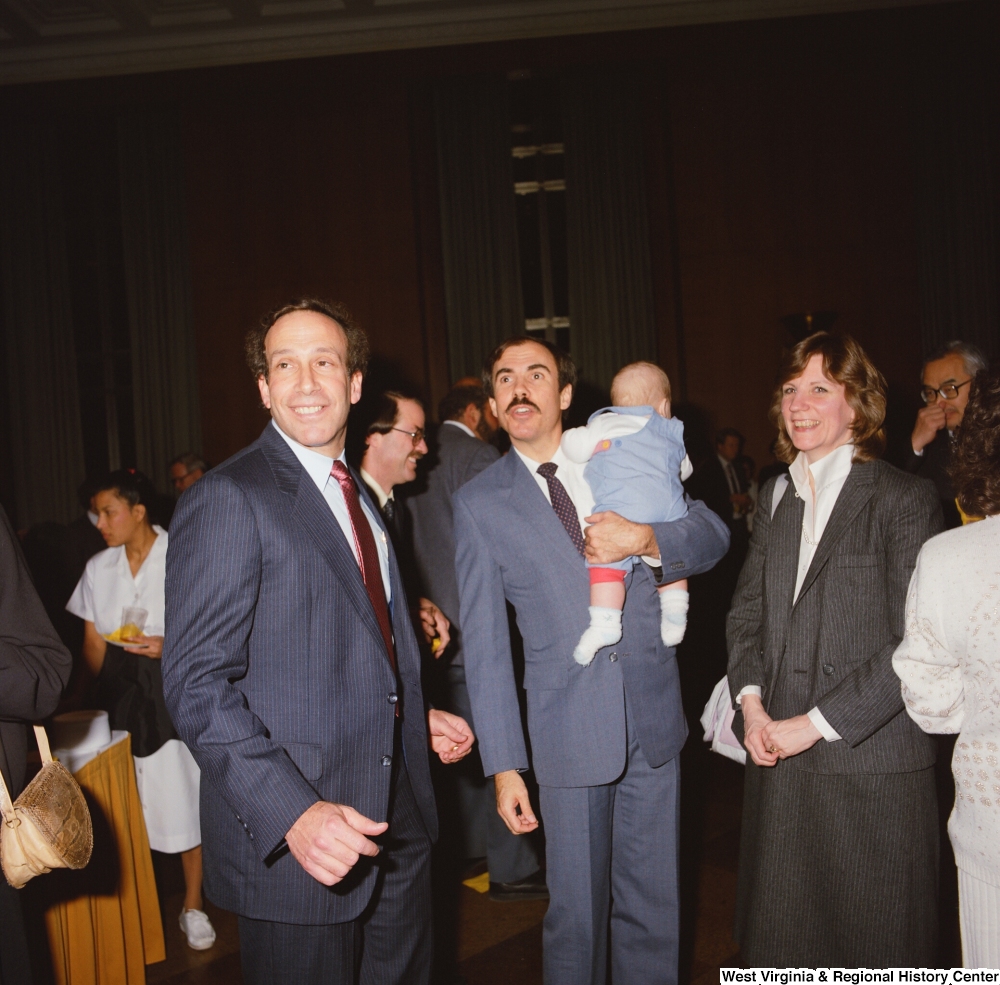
x=394 y=443
x=945 y=381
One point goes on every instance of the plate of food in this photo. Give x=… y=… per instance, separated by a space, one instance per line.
x=123 y=633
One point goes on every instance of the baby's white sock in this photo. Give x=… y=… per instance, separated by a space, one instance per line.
x=605 y=628
x=673 y=615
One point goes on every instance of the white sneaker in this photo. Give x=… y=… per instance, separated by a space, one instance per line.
x=198 y=929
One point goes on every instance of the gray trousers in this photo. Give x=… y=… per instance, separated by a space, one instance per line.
x=389 y=944
x=510 y=858
x=611 y=866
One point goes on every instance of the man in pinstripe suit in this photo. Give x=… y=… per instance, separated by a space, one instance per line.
x=292 y=672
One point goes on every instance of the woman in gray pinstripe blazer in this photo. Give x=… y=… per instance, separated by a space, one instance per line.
x=838 y=854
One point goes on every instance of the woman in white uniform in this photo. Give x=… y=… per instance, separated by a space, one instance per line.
x=130 y=573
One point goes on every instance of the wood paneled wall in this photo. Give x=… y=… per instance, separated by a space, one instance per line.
x=778 y=158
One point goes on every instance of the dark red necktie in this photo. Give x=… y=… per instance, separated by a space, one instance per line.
x=562 y=504
x=367 y=552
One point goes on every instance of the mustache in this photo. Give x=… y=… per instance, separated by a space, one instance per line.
x=522 y=401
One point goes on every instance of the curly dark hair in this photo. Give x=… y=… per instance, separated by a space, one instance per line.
x=975 y=464
x=357 y=340
x=846 y=363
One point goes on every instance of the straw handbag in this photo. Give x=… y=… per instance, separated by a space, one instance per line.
x=48 y=827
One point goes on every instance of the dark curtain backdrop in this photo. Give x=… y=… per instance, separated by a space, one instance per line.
x=42 y=403
x=482 y=279
x=158 y=286
x=610 y=280
x=955 y=184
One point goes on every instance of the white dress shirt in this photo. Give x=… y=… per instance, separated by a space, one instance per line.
x=464 y=427
x=818 y=486
x=318 y=467
x=381 y=495
x=570 y=474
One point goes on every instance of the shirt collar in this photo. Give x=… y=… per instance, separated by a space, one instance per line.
x=560 y=460
x=380 y=494
x=829 y=469
x=464 y=427
x=316 y=465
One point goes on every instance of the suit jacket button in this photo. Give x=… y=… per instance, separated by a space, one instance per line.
x=386 y=760
x=828 y=669
x=613 y=657
x=393 y=698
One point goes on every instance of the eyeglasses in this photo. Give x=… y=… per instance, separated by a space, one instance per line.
x=947 y=392
x=415 y=436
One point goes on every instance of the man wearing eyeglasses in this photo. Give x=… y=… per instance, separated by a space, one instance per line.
x=394 y=443
x=186 y=470
x=946 y=379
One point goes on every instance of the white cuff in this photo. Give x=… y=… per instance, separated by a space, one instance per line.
x=823 y=726
x=919 y=454
x=653 y=562
x=749 y=689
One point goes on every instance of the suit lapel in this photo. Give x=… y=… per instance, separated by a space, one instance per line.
x=529 y=501
x=312 y=511
x=859 y=487
x=782 y=567
x=783 y=563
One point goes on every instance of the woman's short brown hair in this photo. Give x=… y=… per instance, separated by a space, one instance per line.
x=844 y=362
x=975 y=465
x=357 y=340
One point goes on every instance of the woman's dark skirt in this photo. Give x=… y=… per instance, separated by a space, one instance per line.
x=837 y=871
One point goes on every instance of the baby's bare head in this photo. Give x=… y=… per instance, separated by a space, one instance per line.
x=641 y=384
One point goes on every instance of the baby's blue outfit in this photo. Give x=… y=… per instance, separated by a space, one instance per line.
x=639 y=475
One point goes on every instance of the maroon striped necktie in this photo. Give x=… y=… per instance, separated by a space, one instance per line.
x=364 y=542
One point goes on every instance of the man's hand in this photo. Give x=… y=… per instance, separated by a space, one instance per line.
x=512 y=795
x=146 y=646
x=328 y=839
x=930 y=420
x=755 y=721
x=790 y=736
x=450 y=735
x=611 y=538
x=435 y=626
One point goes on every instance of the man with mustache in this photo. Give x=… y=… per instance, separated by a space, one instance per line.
x=604 y=738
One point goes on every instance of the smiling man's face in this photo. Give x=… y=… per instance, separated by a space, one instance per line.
x=309 y=390
x=526 y=397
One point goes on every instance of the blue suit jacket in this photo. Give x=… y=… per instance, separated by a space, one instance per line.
x=511 y=545
x=276 y=676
